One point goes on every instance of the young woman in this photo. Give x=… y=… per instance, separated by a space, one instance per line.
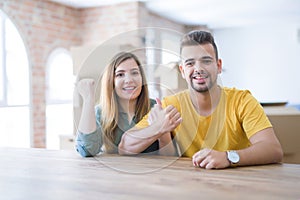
x=124 y=100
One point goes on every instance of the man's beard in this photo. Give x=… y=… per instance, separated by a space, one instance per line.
x=207 y=87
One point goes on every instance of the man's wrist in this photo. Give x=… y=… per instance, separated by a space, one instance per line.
x=165 y=138
x=233 y=158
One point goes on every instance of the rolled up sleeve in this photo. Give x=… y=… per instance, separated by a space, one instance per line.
x=89 y=144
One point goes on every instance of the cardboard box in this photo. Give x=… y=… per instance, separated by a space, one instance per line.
x=286 y=124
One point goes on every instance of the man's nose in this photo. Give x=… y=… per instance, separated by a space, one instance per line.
x=198 y=65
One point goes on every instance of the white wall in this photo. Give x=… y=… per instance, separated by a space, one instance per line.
x=264 y=59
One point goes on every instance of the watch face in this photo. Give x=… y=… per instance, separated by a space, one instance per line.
x=233 y=156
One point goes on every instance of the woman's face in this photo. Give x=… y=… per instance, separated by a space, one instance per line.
x=128 y=80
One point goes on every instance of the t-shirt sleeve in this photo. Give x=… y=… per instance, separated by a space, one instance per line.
x=252 y=115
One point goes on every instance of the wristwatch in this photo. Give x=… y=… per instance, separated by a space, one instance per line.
x=233 y=158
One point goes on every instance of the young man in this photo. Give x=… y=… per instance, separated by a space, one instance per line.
x=217 y=127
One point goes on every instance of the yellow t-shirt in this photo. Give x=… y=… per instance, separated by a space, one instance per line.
x=237 y=117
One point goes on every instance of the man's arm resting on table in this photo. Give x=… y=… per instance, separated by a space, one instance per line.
x=265 y=149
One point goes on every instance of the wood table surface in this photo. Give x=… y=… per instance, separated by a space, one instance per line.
x=52 y=174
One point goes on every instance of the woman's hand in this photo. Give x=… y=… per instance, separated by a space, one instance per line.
x=86 y=88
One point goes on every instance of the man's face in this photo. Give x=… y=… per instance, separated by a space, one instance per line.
x=199 y=67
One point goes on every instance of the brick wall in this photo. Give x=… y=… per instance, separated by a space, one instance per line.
x=102 y=23
x=45 y=25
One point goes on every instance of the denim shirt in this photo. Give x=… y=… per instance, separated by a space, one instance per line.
x=91 y=144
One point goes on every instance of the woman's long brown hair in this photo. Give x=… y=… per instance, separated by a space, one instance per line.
x=109 y=100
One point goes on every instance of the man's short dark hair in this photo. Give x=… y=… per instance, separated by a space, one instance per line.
x=197 y=37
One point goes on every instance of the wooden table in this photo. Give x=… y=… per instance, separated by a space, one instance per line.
x=48 y=174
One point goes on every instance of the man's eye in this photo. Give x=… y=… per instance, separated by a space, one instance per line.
x=189 y=64
x=207 y=62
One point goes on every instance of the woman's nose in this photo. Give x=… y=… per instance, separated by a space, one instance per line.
x=128 y=78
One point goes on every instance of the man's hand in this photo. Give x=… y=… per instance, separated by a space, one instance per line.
x=166 y=119
x=153 y=113
x=210 y=159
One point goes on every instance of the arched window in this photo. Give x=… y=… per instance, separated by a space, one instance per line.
x=60 y=85
x=14 y=87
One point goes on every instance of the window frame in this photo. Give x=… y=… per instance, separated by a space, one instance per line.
x=3 y=79
x=52 y=55
x=5 y=104
x=54 y=131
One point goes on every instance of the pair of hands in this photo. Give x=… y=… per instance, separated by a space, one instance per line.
x=210 y=159
x=165 y=119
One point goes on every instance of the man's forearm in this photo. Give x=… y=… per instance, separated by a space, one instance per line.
x=166 y=145
x=136 y=140
x=261 y=153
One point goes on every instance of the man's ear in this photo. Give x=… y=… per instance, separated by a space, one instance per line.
x=219 y=64
x=181 y=71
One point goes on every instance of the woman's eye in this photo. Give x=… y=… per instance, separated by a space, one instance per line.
x=135 y=73
x=119 y=75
